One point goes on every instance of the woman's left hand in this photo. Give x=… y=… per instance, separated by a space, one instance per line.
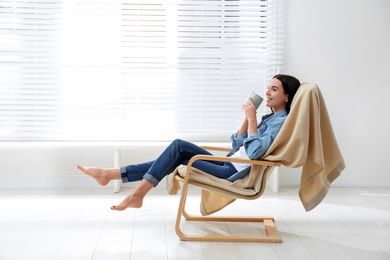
x=250 y=111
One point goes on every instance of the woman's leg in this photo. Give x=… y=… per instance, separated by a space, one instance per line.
x=102 y=176
x=221 y=170
x=178 y=152
x=129 y=173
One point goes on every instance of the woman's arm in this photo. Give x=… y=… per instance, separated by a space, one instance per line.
x=239 y=137
x=244 y=128
x=252 y=126
x=258 y=143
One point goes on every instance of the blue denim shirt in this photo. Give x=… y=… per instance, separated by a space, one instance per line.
x=257 y=143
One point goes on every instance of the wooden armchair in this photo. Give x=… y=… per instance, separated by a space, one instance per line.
x=272 y=235
x=305 y=140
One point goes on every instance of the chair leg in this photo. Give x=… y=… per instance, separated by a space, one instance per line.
x=272 y=236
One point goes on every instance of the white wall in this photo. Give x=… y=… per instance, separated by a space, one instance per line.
x=343 y=46
x=41 y=168
x=56 y=168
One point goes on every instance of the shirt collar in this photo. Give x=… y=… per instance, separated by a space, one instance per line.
x=281 y=113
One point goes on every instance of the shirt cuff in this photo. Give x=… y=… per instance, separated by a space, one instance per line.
x=238 y=141
x=254 y=136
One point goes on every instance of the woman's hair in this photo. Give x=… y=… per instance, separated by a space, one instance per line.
x=290 y=86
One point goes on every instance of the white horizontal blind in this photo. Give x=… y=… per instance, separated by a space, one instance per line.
x=91 y=48
x=30 y=94
x=134 y=70
x=149 y=94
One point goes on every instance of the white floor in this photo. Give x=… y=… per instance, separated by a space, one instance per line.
x=78 y=224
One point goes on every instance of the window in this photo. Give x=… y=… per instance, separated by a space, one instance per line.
x=134 y=70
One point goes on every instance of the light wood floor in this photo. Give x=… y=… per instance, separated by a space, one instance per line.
x=78 y=224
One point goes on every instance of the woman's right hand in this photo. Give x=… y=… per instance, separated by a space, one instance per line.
x=250 y=115
x=250 y=110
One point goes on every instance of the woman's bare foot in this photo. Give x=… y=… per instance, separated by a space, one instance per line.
x=131 y=201
x=102 y=176
x=135 y=199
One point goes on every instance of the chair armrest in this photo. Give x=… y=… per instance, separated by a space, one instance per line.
x=215 y=148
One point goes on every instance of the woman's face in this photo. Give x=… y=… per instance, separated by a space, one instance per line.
x=276 y=98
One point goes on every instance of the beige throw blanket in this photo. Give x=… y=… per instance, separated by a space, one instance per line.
x=306 y=139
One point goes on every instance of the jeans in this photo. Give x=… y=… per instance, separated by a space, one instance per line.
x=177 y=153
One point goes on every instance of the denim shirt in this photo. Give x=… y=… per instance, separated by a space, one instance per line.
x=257 y=143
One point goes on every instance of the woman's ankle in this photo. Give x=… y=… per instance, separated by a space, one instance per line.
x=112 y=174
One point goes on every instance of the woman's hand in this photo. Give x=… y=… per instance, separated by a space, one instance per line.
x=250 y=116
x=250 y=111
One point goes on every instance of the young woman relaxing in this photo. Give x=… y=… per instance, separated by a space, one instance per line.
x=251 y=141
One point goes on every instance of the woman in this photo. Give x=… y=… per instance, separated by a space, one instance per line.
x=251 y=141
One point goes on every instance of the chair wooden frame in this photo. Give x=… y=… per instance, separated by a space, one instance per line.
x=272 y=235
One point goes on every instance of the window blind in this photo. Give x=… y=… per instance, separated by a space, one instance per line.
x=134 y=70
x=30 y=97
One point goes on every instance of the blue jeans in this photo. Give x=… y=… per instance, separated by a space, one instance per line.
x=177 y=153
